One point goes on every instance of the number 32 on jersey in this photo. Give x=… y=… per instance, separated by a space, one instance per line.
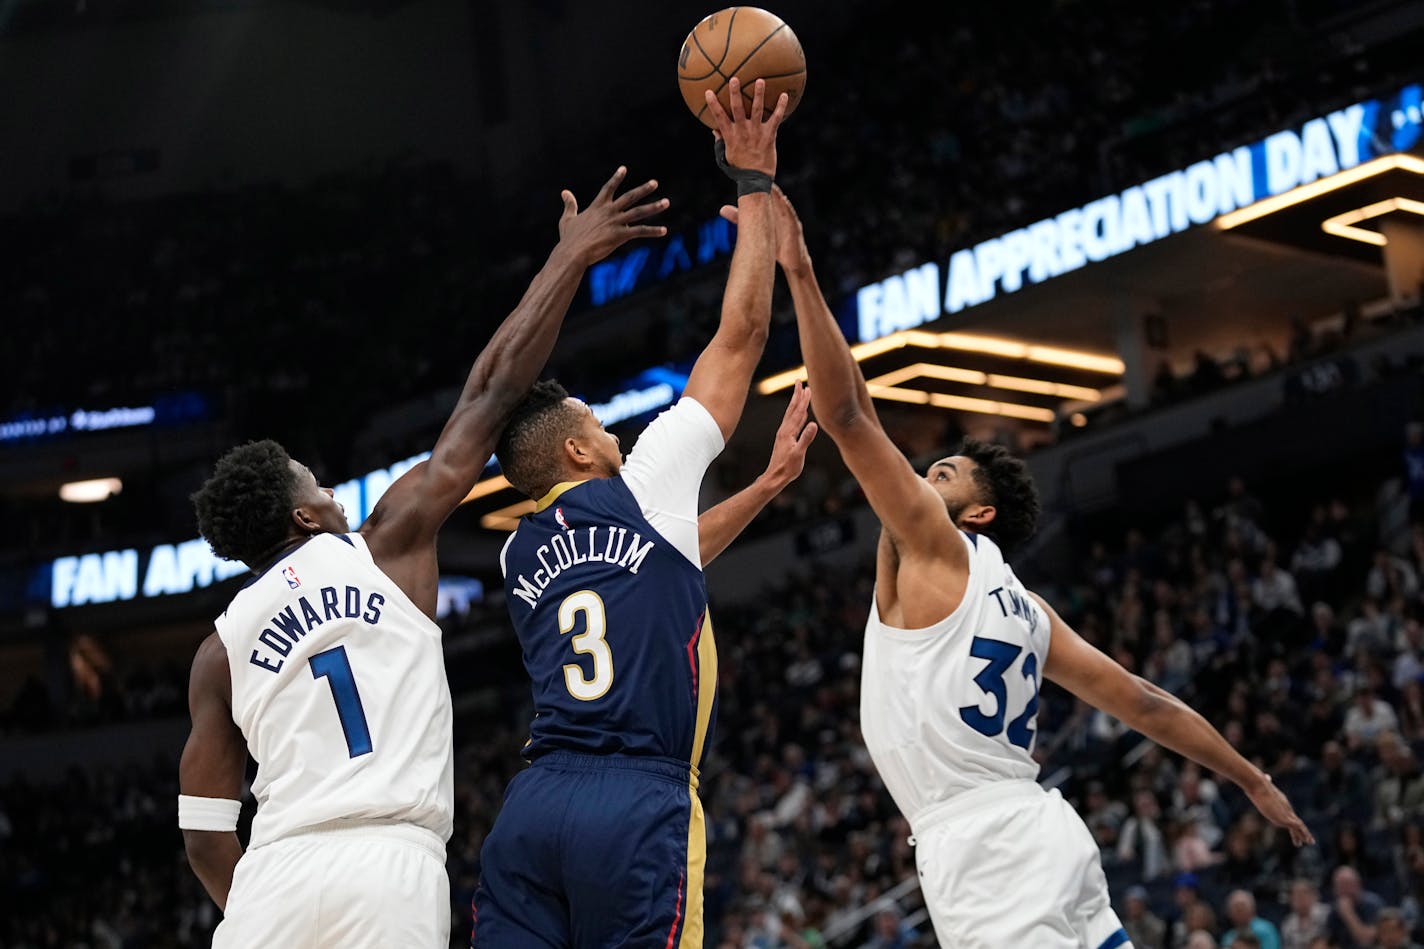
x=1001 y=657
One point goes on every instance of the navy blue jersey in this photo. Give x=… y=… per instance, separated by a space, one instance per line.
x=612 y=620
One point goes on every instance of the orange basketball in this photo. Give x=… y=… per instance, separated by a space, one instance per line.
x=746 y=42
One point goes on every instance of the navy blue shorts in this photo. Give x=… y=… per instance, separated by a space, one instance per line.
x=594 y=851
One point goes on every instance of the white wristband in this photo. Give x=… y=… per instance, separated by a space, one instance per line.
x=207 y=813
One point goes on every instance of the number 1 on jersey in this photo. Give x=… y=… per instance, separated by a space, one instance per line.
x=334 y=665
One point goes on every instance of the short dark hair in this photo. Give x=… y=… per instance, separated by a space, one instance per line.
x=245 y=506
x=528 y=449
x=1008 y=485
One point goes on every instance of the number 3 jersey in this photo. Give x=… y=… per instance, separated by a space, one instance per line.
x=338 y=685
x=952 y=707
x=605 y=589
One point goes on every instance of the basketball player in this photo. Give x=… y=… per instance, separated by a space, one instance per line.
x=955 y=649
x=600 y=841
x=327 y=665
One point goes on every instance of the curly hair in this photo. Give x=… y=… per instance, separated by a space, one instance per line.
x=1008 y=485
x=244 y=507
x=528 y=449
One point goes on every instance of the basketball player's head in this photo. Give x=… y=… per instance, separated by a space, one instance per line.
x=989 y=491
x=258 y=500
x=551 y=438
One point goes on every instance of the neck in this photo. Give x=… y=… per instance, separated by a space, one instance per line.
x=276 y=550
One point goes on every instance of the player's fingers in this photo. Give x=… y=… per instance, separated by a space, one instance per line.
x=635 y=195
x=570 y=202
x=729 y=213
x=808 y=434
x=779 y=112
x=758 y=99
x=734 y=95
x=719 y=114
x=611 y=185
x=637 y=198
x=646 y=210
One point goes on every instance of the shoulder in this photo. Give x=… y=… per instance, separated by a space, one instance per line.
x=210 y=671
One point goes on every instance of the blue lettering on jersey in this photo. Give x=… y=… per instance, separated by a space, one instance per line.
x=1011 y=602
x=286 y=629
x=600 y=544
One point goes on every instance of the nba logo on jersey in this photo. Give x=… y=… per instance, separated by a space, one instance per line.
x=291 y=574
x=559 y=516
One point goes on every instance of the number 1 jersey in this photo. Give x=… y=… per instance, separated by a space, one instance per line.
x=605 y=589
x=339 y=687
x=953 y=706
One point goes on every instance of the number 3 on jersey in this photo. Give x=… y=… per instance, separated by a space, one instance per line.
x=1001 y=656
x=590 y=642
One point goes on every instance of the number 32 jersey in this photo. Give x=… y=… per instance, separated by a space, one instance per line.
x=339 y=687
x=604 y=586
x=953 y=706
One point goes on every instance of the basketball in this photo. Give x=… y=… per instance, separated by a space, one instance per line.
x=746 y=42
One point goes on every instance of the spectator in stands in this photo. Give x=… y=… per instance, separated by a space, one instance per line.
x=1390 y=576
x=1241 y=911
x=1192 y=913
x=1316 y=560
x=1199 y=939
x=1307 y=917
x=1408 y=664
x=1368 y=717
x=1399 y=785
x=1370 y=633
x=1354 y=910
x=1142 y=843
x=1274 y=588
x=1393 y=931
x=1144 y=928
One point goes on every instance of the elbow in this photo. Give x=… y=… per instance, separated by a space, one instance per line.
x=1147 y=704
x=751 y=337
x=839 y=418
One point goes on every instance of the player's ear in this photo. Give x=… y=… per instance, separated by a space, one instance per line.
x=304 y=522
x=978 y=516
x=577 y=453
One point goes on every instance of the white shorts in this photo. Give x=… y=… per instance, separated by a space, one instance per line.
x=1013 y=865
x=381 y=886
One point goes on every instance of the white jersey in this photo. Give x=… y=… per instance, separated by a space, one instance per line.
x=338 y=684
x=952 y=707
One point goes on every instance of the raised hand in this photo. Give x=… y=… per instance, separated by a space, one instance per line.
x=791 y=251
x=793 y=438
x=750 y=139
x=610 y=220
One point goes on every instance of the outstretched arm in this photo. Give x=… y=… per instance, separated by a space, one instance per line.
x=401 y=530
x=1092 y=676
x=911 y=511
x=723 y=373
x=213 y=763
x=719 y=526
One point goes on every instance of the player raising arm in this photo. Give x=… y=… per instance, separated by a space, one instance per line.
x=955 y=648
x=600 y=841
x=327 y=665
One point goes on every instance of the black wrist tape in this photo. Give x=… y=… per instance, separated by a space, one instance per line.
x=748 y=181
